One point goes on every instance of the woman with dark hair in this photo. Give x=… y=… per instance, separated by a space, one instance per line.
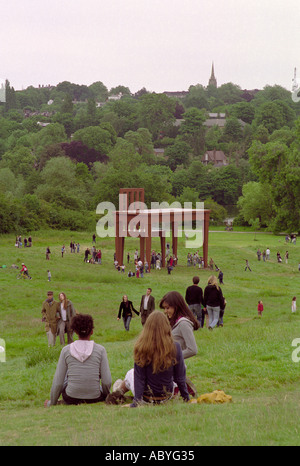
x=81 y=367
x=126 y=308
x=183 y=323
x=182 y=320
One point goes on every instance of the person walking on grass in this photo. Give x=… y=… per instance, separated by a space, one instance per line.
x=147 y=305
x=67 y=312
x=82 y=374
x=247 y=265
x=126 y=308
x=51 y=316
x=194 y=299
x=213 y=301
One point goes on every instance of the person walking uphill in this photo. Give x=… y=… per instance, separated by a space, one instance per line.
x=51 y=315
x=213 y=301
x=126 y=308
x=194 y=299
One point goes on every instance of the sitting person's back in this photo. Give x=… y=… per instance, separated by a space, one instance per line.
x=85 y=363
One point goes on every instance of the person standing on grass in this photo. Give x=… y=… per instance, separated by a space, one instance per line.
x=48 y=252
x=82 y=374
x=147 y=305
x=294 y=305
x=51 y=316
x=213 y=301
x=194 y=299
x=49 y=275
x=126 y=308
x=260 y=308
x=220 y=277
x=67 y=312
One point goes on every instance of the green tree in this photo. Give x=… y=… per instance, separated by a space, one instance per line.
x=192 y=129
x=156 y=112
x=178 y=154
x=95 y=138
x=257 y=202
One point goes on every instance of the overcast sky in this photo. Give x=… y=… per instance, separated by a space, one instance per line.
x=157 y=44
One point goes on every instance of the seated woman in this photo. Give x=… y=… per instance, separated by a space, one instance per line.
x=158 y=365
x=81 y=367
x=183 y=324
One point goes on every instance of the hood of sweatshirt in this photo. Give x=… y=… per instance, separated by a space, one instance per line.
x=81 y=349
x=182 y=319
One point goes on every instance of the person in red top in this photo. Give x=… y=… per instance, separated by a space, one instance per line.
x=260 y=308
x=24 y=270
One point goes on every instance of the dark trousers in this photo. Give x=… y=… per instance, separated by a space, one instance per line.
x=76 y=401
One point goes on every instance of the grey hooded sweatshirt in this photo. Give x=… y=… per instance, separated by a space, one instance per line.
x=81 y=367
x=183 y=333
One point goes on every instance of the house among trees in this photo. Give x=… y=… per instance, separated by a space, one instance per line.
x=215 y=119
x=217 y=157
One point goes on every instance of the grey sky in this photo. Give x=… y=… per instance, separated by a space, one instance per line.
x=157 y=44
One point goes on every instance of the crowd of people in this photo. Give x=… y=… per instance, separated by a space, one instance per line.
x=166 y=341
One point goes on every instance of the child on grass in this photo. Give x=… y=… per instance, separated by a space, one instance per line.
x=260 y=308
x=294 y=306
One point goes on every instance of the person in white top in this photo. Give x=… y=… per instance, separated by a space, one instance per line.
x=67 y=312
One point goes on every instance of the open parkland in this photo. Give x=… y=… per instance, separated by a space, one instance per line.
x=254 y=359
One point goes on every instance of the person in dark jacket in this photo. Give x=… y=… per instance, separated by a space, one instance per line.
x=194 y=299
x=126 y=308
x=213 y=301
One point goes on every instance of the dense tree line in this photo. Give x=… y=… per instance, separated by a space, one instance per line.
x=65 y=148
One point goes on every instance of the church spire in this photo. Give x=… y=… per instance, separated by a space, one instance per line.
x=212 y=80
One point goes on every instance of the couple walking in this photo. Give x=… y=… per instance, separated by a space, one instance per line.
x=212 y=301
x=57 y=317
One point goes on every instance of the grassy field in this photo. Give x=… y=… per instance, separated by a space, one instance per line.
x=250 y=358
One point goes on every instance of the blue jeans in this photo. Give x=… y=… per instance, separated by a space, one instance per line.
x=126 y=321
x=213 y=315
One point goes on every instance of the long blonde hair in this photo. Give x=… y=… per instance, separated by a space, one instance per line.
x=213 y=281
x=155 y=344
